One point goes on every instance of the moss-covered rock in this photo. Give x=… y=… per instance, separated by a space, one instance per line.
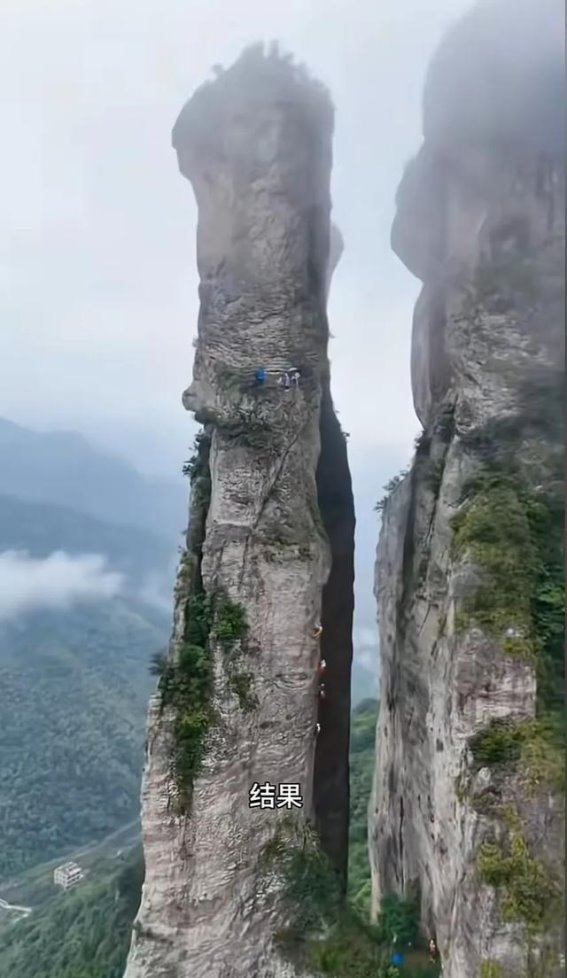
x=186 y=684
x=535 y=747
x=230 y=622
x=493 y=529
x=498 y=743
x=490 y=969
x=514 y=535
x=528 y=892
x=325 y=933
x=242 y=684
x=198 y=463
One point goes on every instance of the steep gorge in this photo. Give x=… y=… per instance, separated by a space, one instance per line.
x=468 y=808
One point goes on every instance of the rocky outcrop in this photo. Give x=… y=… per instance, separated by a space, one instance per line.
x=467 y=813
x=268 y=554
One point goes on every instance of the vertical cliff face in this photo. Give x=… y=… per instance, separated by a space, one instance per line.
x=467 y=813
x=267 y=547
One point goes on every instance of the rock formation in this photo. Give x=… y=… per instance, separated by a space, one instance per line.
x=467 y=814
x=269 y=550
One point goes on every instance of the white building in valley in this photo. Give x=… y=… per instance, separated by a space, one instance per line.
x=68 y=875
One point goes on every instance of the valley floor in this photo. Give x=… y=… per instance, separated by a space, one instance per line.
x=34 y=888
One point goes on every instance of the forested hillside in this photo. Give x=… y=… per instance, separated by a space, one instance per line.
x=84 y=933
x=75 y=683
x=74 y=670
x=74 y=689
x=362 y=737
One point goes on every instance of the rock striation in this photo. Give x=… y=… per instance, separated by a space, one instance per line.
x=467 y=814
x=269 y=551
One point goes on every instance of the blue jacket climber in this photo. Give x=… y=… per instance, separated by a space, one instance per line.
x=260 y=376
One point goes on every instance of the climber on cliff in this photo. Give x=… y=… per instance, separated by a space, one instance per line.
x=322 y=668
x=317 y=631
x=295 y=377
x=322 y=692
x=260 y=376
x=317 y=729
x=433 y=952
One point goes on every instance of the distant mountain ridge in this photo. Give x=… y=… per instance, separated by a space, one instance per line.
x=42 y=528
x=64 y=469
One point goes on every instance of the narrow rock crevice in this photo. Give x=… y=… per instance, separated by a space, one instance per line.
x=336 y=505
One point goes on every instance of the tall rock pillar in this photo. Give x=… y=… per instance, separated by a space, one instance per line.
x=238 y=700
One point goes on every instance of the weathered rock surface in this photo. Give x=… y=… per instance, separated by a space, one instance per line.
x=480 y=219
x=256 y=146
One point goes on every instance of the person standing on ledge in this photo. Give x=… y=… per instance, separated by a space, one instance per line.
x=433 y=952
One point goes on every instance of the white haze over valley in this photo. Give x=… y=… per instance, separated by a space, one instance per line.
x=35 y=584
x=60 y=580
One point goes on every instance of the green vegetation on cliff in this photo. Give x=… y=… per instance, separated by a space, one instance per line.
x=186 y=683
x=515 y=535
x=332 y=938
x=513 y=531
x=493 y=528
x=529 y=893
x=490 y=969
x=328 y=936
x=197 y=465
x=186 y=675
x=536 y=745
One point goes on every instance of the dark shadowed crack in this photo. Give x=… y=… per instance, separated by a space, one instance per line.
x=331 y=785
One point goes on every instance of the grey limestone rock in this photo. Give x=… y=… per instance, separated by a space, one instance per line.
x=480 y=220
x=256 y=146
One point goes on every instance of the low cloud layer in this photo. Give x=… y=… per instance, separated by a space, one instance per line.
x=157 y=591
x=58 y=581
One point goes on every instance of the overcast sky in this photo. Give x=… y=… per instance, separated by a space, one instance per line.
x=98 y=286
